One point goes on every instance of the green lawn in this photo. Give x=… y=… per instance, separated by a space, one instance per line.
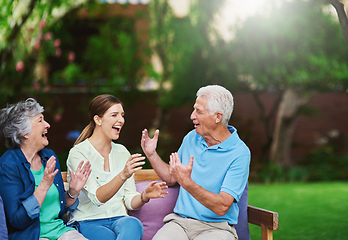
x=306 y=210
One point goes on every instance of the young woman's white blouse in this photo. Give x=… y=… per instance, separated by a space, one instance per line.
x=89 y=206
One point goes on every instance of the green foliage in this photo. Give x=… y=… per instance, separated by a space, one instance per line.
x=191 y=51
x=293 y=45
x=112 y=54
x=271 y=173
x=43 y=34
x=23 y=39
x=70 y=74
x=107 y=55
x=325 y=165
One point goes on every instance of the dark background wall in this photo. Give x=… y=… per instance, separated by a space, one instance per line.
x=326 y=123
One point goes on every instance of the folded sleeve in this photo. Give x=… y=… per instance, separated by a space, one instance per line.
x=129 y=192
x=21 y=210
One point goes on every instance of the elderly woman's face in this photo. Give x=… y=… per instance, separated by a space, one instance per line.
x=37 y=136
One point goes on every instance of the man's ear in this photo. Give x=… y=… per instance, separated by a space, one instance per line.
x=218 y=117
x=97 y=120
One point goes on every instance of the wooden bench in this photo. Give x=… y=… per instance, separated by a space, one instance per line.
x=267 y=220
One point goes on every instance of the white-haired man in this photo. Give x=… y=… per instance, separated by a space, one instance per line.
x=212 y=168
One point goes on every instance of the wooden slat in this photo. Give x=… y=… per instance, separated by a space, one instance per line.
x=266 y=234
x=259 y=217
x=145 y=175
x=139 y=176
x=64 y=176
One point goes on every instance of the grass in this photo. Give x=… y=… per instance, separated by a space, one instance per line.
x=306 y=210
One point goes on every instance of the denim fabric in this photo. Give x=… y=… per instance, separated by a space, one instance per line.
x=3 y=228
x=17 y=186
x=115 y=228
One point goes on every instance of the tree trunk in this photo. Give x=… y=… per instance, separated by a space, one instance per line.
x=290 y=103
x=342 y=17
x=266 y=119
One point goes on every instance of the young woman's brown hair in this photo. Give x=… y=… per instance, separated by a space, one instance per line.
x=98 y=106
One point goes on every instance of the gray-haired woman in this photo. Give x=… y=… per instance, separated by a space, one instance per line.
x=31 y=183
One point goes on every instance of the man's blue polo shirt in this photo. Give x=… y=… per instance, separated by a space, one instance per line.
x=222 y=167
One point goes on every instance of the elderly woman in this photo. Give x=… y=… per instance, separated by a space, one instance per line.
x=31 y=183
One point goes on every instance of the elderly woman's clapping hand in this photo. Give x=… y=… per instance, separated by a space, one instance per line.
x=49 y=173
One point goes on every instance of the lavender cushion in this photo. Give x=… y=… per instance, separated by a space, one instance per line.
x=242 y=226
x=152 y=213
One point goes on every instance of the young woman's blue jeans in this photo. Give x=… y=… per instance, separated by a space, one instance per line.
x=120 y=228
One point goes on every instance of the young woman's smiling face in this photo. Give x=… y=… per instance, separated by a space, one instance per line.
x=112 y=121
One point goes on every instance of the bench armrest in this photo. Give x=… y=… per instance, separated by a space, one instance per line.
x=267 y=220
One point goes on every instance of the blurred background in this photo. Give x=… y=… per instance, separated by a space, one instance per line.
x=285 y=62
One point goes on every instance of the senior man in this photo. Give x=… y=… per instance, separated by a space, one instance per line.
x=211 y=167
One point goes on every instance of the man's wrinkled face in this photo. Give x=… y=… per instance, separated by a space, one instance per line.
x=204 y=122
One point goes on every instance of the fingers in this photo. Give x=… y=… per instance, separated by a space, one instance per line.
x=174 y=161
x=155 y=137
x=156 y=189
x=190 y=163
x=136 y=160
x=50 y=165
x=133 y=164
x=88 y=173
x=55 y=172
x=79 y=166
x=145 y=136
x=50 y=171
x=162 y=186
x=86 y=168
x=82 y=168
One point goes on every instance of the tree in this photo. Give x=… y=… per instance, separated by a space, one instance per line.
x=24 y=38
x=191 y=53
x=108 y=57
x=342 y=16
x=296 y=49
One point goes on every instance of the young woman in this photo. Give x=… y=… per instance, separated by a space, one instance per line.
x=31 y=182
x=110 y=189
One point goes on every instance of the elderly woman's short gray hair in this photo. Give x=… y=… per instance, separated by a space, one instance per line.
x=219 y=99
x=15 y=121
